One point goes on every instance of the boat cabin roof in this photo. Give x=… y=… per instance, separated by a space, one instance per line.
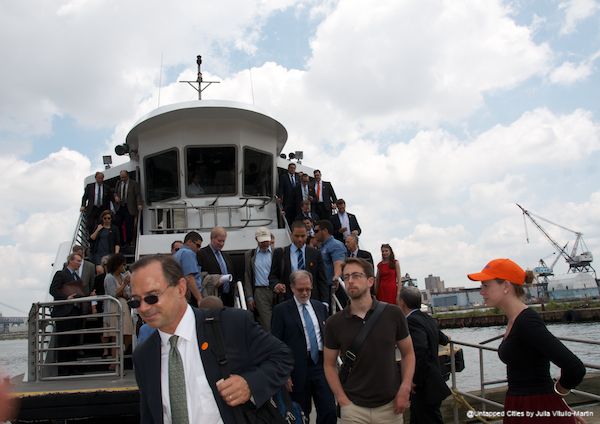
x=205 y=109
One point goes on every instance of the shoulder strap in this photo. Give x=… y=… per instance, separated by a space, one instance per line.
x=212 y=320
x=352 y=353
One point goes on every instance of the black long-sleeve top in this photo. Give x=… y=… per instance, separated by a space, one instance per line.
x=527 y=352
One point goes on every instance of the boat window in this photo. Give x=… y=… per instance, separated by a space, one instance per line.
x=210 y=171
x=162 y=177
x=258 y=173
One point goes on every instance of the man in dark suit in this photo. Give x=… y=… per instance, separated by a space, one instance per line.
x=300 y=323
x=176 y=367
x=304 y=192
x=286 y=192
x=325 y=197
x=128 y=199
x=66 y=284
x=96 y=199
x=430 y=389
x=354 y=251
x=306 y=212
x=213 y=260
x=294 y=257
x=344 y=223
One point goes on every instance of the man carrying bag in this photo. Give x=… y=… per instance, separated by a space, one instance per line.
x=370 y=387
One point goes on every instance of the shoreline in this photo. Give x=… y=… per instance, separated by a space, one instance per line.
x=14 y=335
x=490 y=320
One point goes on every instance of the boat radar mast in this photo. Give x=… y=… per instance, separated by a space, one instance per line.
x=199 y=80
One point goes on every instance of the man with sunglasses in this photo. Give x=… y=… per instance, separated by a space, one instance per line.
x=300 y=323
x=187 y=259
x=176 y=367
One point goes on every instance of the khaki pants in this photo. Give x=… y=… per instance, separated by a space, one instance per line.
x=354 y=414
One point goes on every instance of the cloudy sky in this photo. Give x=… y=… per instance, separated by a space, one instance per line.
x=431 y=118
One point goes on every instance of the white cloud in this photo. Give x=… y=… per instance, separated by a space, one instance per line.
x=39 y=210
x=96 y=60
x=417 y=61
x=575 y=12
x=568 y=73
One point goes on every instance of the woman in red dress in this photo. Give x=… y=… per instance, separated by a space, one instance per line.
x=387 y=280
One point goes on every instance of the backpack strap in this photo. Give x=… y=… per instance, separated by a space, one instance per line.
x=212 y=320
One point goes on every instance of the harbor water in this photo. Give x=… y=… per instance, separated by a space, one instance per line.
x=494 y=369
x=13 y=353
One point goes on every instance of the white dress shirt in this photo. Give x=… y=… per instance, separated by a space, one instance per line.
x=315 y=323
x=345 y=223
x=201 y=403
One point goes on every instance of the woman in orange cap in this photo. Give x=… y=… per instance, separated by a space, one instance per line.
x=527 y=350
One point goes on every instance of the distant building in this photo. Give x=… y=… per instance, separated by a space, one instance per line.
x=434 y=283
x=457 y=297
x=580 y=285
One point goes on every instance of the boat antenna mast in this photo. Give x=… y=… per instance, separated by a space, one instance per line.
x=199 y=80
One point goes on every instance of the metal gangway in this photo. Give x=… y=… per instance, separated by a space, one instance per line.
x=461 y=396
x=43 y=346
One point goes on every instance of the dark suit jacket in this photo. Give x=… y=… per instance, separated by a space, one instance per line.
x=313 y=217
x=286 y=192
x=286 y=325
x=426 y=338
x=208 y=261
x=298 y=194
x=88 y=198
x=281 y=268
x=328 y=194
x=58 y=289
x=363 y=254
x=134 y=196
x=262 y=360
x=335 y=221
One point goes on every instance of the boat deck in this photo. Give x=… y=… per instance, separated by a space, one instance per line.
x=89 y=400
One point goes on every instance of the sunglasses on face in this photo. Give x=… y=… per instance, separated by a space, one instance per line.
x=151 y=299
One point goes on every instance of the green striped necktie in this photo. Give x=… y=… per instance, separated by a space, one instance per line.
x=177 y=398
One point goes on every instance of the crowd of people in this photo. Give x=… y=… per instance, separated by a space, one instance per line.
x=292 y=338
x=111 y=214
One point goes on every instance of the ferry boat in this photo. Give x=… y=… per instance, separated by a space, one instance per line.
x=199 y=164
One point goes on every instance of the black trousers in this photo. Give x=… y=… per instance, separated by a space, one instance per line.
x=126 y=221
x=72 y=340
x=317 y=389
x=422 y=413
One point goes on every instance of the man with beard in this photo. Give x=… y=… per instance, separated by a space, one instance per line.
x=374 y=390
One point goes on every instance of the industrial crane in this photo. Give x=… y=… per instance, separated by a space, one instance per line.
x=581 y=262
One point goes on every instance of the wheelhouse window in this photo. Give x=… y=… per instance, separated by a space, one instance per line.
x=258 y=173
x=211 y=171
x=162 y=176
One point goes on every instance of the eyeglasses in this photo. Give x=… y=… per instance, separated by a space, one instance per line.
x=151 y=299
x=176 y=249
x=353 y=276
